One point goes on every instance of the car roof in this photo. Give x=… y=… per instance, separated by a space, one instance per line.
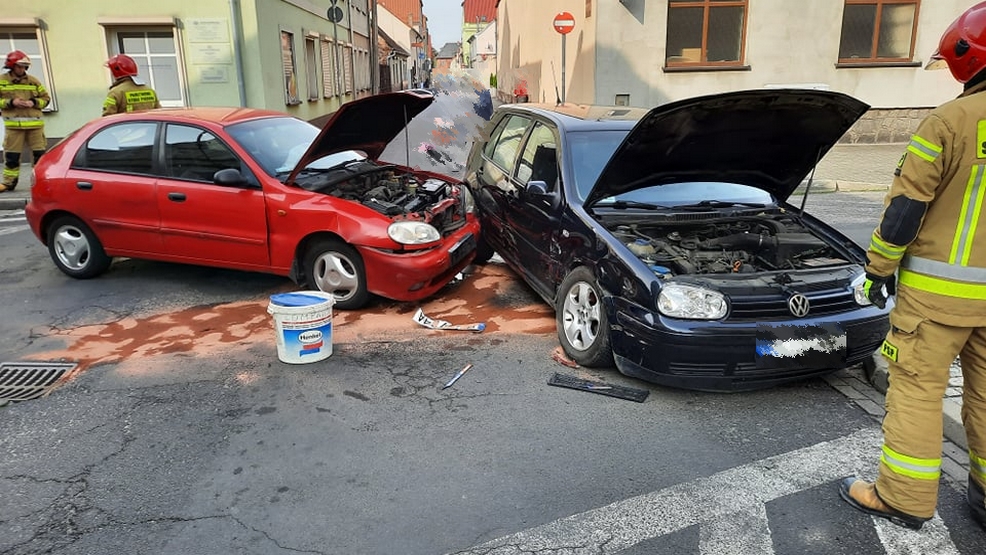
x=214 y=114
x=583 y=117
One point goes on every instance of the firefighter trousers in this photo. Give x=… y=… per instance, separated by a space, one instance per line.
x=920 y=352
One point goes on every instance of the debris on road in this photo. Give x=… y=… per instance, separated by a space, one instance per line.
x=559 y=356
x=618 y=391
x=427 y=322
x=457 y=376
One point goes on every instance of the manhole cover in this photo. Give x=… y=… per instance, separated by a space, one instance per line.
x=23 y=381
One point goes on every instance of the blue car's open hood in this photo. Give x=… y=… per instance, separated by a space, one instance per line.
x=769 y=139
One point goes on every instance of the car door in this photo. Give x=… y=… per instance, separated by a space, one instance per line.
x=111 y=185
x=497 y=188
x=532 y=216
x=202 y=221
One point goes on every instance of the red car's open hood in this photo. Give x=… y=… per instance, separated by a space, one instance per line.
x=367 y=124
x=768 y=138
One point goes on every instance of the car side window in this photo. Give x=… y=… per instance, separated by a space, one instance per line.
x=508 y=143
x=539 y=162
x=126 y=147
x=494 y=137
x=194 y=154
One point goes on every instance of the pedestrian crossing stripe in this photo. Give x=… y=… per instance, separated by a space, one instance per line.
x=889 y=351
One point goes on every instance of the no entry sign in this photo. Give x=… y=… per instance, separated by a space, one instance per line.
x=564 y=23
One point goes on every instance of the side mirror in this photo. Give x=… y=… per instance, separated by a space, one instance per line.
x=537 y=188
x=229 y=177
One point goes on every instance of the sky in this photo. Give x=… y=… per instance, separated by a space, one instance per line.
x=444 y=21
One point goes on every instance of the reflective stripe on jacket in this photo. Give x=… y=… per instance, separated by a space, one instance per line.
x=127 y=96
x=944 y=165
x=27 y=87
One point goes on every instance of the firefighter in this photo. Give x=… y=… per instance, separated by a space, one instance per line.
x=128 y=93
x=22 y=97
x=930 y=235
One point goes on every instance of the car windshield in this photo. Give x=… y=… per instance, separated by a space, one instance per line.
x=591 y=150
x=277 y=144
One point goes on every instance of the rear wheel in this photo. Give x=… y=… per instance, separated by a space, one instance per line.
x=583 y=327
x=75 y=249
x=335 y=267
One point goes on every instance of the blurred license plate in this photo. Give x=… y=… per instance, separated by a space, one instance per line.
x=461 y=249
x=809 y=346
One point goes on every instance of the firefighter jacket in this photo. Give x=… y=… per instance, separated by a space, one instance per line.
x=930 y=232
x=27 y=87
x=127 y=96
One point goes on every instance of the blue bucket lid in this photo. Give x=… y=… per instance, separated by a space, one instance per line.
x=296 y=299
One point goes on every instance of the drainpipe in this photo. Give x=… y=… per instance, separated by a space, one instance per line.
x=374 y=63
x=235 y=19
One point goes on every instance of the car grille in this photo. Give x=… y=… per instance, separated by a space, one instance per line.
x=775 y=307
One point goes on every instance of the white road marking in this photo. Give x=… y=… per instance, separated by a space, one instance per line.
x=13 y=229
x=729 y=507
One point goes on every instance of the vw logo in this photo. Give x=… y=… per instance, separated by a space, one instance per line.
x=798 y=305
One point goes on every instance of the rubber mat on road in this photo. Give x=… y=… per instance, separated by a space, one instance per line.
x=23 y=381
x=619 y=391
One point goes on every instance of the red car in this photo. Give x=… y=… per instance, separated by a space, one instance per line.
x=260 y=191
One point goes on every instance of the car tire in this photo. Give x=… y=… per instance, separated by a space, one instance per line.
x=484 y=252
x=75 y=249
x=335 y=267
x=583 y=327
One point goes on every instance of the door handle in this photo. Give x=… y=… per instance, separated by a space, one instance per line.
x=177 y=197
x=83 y=185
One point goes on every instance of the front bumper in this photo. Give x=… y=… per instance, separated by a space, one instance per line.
x=418 y=275
x=722 y=356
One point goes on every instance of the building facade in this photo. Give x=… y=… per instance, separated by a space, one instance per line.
x=285 y=55
x=649 y=52
x=418 y=41
x=476 y=16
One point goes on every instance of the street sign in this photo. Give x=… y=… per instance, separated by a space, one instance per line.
x=421 y=55
x=564 y=23
x=335 y=14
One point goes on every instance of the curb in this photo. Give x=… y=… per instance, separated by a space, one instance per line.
x=839 y=186
x=876 y=372
x=8 y=201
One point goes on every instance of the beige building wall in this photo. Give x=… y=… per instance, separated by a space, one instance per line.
x=619 y=48
x=528 y=48
x=214 y=69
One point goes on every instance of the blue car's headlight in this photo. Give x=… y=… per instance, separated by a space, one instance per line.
x=688 y=301
x=413 y=233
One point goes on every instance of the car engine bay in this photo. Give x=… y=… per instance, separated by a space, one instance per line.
x=742 y=245
x=389 y=191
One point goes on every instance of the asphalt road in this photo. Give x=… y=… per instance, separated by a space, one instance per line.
x=182 y=432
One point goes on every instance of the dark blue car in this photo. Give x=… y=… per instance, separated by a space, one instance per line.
x=665 y=241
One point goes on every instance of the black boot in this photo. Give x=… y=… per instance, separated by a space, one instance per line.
x=977 y=502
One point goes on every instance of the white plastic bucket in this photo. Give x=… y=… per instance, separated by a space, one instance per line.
x=303 y=325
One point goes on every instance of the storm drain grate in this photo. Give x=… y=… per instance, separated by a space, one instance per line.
x=23 y=381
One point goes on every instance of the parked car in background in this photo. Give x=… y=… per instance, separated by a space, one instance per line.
x=260 y=191
x=665 y=241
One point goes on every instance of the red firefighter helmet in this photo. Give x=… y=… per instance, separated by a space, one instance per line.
x=963 y=45
x=17 y=58
x=122 y=65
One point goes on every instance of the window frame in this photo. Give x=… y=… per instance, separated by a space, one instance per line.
x=528 y=139
x=114 y=42
x=312 y=64
x=874 y=43
x=167 y=169
x=703 y=63
x=12 y=26
x=289 y=73
x=329 y=82
x=82 y=160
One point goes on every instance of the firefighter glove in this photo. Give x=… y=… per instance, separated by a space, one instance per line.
x=874 y=285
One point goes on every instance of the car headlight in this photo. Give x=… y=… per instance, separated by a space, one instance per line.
x=858 y=292
x=413 y=233
x=467 y=199
x=688 y=301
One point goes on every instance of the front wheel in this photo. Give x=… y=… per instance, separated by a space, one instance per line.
x=583 y=327
x=75 y=249
x=334 y=267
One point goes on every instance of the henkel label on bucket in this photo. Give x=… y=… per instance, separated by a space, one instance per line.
x=303 y=325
